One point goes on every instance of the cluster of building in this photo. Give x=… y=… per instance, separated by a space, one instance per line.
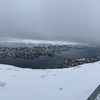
x=33 y=52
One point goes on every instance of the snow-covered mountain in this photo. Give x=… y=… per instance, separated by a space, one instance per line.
x=6 y=41
x=56 y=84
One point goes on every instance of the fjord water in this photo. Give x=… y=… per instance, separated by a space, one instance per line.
x=45 y=62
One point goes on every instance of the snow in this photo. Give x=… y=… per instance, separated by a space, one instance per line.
x=52 y=84
x=36 y=42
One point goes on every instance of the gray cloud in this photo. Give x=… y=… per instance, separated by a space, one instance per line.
x=77 y=20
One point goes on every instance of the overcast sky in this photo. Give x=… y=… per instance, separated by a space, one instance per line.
x=77 y=20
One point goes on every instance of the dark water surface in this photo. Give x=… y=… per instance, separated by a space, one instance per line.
x=44 y=62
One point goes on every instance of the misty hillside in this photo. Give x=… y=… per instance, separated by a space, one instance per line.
x=15 y=41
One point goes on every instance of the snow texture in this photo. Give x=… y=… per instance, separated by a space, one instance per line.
x=52 y=84
x=36 y=42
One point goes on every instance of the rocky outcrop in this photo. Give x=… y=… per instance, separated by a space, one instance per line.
x=75 y=62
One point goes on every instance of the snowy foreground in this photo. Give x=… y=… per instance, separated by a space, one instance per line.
x=52 y=84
